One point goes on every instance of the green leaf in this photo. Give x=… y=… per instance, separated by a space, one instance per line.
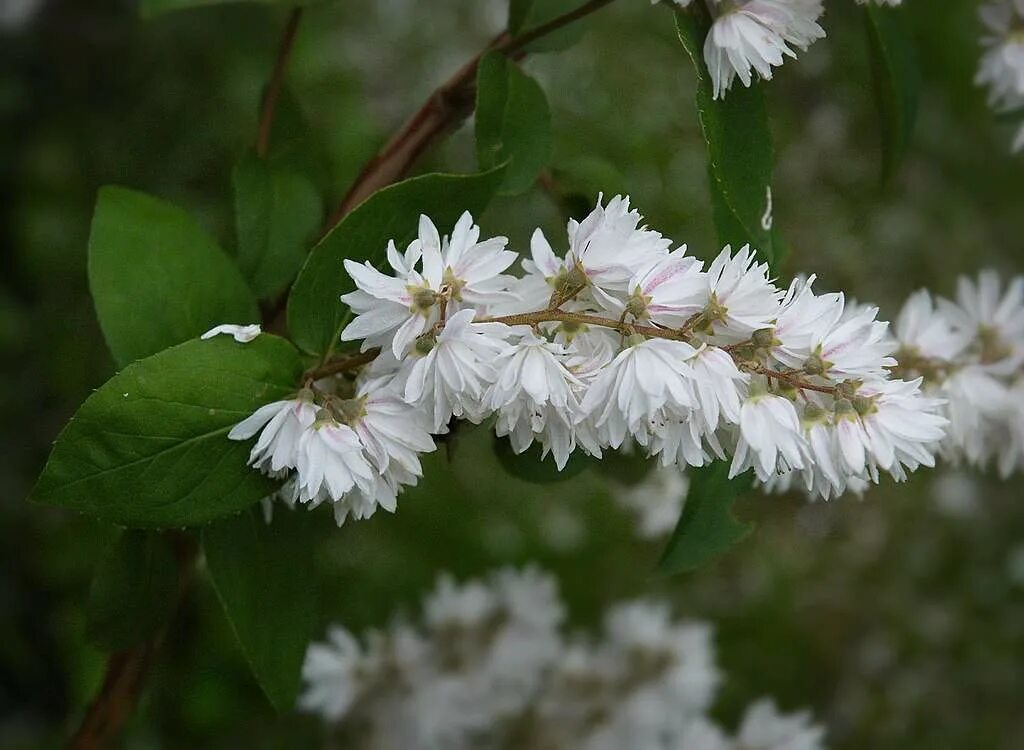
x=150 y=447
x=706 y=528
x=277 y=214
x=315 y=314
x=896 y=76
x=530 y=467
x=134 y=589
x=156 y=277
x=513 y=123
x=264 y=577
x=739 y=145
x=150 y=8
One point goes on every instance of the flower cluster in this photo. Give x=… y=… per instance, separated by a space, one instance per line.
x=1002 y=65
x=620 y=340
x=970 y=353
x=490 y=667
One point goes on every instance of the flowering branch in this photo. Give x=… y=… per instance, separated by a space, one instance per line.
x=442 y=112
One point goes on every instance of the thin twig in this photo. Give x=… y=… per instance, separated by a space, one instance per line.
x=269 y=108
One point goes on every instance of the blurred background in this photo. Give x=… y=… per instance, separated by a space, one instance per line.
x=897 y=618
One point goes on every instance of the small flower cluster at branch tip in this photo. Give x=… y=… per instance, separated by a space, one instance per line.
x=970 y=354
x=490 y=666
x=620 y=340
x=1001 y=69
x=753 y=36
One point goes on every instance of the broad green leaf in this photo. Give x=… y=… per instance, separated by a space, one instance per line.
x=150 y=448
x=265 y=578
x=513 y=123
x=739 y=145
x=156 y=277
x=134 y=590
x=706 y=528
x=530 y=467
x=896 y=77
x=150 y=8
x=277 y=214
x=315 y=314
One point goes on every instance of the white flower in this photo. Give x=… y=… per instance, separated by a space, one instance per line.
x=858 y=346
x=756 y=34
x=765 y=728
x=717 y=383
x=889 y=425
x=331 y=463
x=332 y=674
x=453 y=605
x=642 y=379
x=1001 y=68
x=975 y=401
x=392 y=433
x=803 y=319
x=924 y=331
x=280 y=425
x=771 y=439
x=241 y=334
x=472 y=272
x=669 y=291
x=891 y=3
x=448 y=374
x=398 y=309
x=656 y=501
x=535 y=397
x=605 y=251
x=742 y=299
x=995 y=319
x=1002 y=64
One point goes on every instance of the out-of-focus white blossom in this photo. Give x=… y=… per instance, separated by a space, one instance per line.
x=764 y=727
x=969 y=353
x=656 y=500
x=1001 y=69
x=491 y=667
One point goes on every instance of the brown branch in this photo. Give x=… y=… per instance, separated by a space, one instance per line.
x=545 y=316
x=269 y=108
x=126 y=670
x=443 y=112
x=342 y=364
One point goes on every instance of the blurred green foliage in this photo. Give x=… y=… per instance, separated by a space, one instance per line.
x=899 y=618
